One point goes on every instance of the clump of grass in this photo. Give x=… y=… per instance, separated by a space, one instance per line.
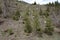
x=17 y=13
x=16 y=16
x=37 y=26
x=48 y=22
x=46 y=13
x=9 y=31
x=49 y=29
x=3 y=33
x=28 y=28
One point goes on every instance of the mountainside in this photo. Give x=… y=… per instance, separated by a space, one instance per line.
x=22 y=21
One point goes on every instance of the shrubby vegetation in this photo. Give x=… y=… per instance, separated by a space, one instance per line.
x=37 y=26
x=16 y=16
x=49 y=29
x=46 y=13
x=28 y=28
x=9 y=31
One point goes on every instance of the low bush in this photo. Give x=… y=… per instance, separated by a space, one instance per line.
x=46 y=13
x=38 y=30
x=28 y=28
x=49 y=29
x=16 y=16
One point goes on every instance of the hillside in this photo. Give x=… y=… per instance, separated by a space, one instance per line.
x=22 y=21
